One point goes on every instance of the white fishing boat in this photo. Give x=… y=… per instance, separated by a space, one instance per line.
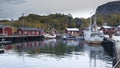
x=4 y=42
x=67 y=37
x=50 y=35
x=92 y=34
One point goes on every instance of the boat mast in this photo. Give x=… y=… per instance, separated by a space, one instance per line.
x=95 y=25
x=95 y=20
x=91 y=22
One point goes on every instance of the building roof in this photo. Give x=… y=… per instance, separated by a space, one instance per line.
x=72 y=29
x=30 y=28
x=107 y=26
x=1 y=26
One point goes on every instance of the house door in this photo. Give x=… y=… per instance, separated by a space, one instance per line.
x=6 y=32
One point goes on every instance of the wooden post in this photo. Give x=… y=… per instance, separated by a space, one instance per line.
x=3 y=31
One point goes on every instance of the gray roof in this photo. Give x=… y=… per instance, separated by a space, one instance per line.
x=1 y=26
x=72 y=29
x=30 y=28
x=107 y=26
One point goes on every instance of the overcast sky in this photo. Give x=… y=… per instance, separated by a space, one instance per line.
x=13 y=9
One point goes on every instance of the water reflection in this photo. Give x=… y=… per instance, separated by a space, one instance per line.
x=59 y=53
x=95 y=52
x=50 y=46
x=1 y=49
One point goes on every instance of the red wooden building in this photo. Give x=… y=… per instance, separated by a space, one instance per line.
x=72 y=31
x=29 y=31
x=117 y=30
x=107 y=29
x=5 y=30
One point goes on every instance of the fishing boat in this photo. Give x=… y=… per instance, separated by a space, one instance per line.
x=4 y=42
x=68 y=37
x=92 y=34
x=50 y=35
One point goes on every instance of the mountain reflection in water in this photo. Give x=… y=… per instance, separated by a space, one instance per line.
x=52 y=53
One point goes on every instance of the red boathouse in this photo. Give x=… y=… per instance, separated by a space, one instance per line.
x=29 y=31
x=5 y=30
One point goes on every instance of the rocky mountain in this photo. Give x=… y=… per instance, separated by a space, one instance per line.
x=109 y=8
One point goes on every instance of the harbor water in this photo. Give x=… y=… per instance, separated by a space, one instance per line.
x=52 y=53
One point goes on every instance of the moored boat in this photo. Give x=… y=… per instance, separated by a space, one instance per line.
x=4 y=42
x=92 y=34
x=49 y=36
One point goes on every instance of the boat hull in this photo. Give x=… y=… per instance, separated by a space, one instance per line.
x=94 y=42
x=93 y=37
x=50 y=36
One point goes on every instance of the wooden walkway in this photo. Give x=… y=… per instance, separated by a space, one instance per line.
x=117 y=55
x=17 y=38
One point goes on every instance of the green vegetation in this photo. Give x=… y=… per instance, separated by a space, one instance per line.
x=61 y=21
x=111 y=19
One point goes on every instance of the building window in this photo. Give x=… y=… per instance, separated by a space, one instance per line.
x=33 y=32
x=20 y=32
x=25 y=32
x=37 y=32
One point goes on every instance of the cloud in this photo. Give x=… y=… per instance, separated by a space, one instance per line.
x=12 y=1
x=15 y=8
x=1 y=10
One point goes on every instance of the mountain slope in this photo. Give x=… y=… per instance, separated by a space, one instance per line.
x=109 y=8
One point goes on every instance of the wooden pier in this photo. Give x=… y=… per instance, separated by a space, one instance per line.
x=114 y=49
x=108 y=47
x=20 y=38
x=117 y=55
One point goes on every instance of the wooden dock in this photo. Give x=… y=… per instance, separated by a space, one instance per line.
x=115 y=49
x=17 y=38
x=117 y=55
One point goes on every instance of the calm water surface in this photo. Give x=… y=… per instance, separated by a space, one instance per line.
x=54 y=53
